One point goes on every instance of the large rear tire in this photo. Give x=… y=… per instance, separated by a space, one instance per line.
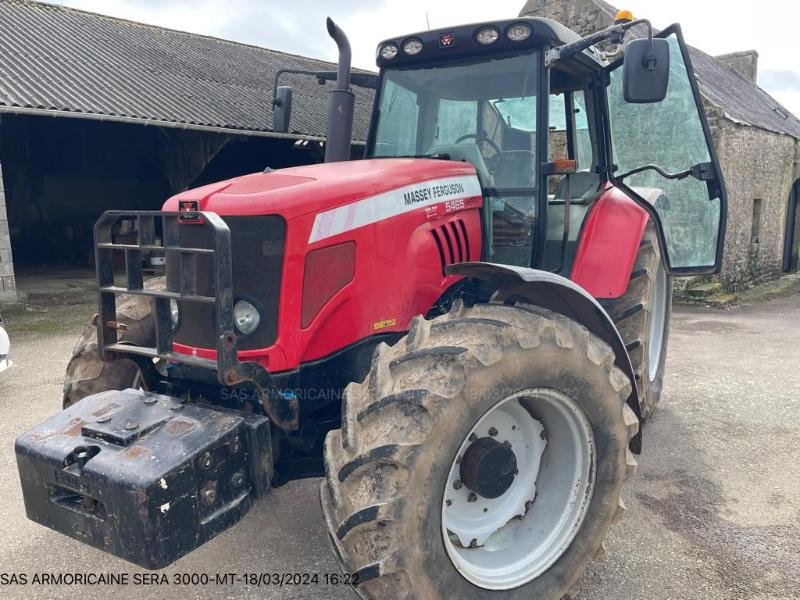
x=87 y=374
x=642 y=316
x=390 y=495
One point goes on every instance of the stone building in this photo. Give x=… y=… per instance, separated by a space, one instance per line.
x=757 y=141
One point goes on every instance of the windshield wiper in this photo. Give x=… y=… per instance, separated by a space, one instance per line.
x=701 y=172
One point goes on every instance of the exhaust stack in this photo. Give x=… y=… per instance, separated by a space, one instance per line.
x=341 y=101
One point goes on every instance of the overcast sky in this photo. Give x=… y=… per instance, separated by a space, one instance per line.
x=298 y=26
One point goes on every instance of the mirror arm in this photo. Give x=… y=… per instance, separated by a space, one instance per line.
x=657 y=169
x=553 y=55
x=322 y=77
x=364 y=80
x=701 y=172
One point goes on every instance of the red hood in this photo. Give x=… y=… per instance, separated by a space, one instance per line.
x=314 y=188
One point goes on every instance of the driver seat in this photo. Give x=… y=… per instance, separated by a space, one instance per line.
x=466 y=152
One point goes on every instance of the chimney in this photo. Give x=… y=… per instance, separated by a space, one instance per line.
x=582 y=16
x=745 y=63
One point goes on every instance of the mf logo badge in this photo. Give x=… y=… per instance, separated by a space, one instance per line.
x=447 y=40
x=191 y=208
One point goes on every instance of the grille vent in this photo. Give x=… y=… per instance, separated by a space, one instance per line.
x=452 y=242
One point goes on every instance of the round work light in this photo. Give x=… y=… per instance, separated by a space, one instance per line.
x=246 y=317
x=519 y=32
x=412 y=46
x=388 y=51
x=487 y=35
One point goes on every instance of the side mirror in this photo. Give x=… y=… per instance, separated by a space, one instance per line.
x=282 y=109
x=645 y=73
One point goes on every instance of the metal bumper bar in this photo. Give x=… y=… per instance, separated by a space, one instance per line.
x=230 y=372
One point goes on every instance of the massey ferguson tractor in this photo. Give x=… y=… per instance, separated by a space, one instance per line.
x=462 y=332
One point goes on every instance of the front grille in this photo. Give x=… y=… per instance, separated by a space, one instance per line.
x=257 y=248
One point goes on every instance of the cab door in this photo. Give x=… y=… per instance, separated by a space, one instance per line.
x=680 y=181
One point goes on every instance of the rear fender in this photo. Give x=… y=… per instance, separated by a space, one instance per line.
x=609 y=243
x=560 y=295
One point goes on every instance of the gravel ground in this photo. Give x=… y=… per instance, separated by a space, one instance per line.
x=713 y=513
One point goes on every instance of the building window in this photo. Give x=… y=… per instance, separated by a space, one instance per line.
x=755 y=229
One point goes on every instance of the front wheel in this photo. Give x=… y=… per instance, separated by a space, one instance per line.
x=485 y=451
x=88 y=374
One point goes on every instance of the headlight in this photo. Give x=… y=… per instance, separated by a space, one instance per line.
x=412 y=46
x=174 y=313
x=487 y=35
x=519 y=32
x=388 y=51
x=245 y=317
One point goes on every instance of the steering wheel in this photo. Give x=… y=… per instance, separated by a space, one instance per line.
x=515 y=168
x=474 y=136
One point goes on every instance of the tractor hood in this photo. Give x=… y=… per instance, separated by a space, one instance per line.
x=298 y=191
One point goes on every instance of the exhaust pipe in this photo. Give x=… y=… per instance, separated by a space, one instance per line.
x=341 y=101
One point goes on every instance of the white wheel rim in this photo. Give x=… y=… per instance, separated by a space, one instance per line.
x=657 y=322
x=526 y=529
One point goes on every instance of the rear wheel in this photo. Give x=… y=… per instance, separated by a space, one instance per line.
x=642 y=316
x=485 y=451
x=87 y=374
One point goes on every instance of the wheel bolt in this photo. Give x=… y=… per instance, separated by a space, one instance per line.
x=485 y=510
x=205 y=461
x=449 y=502
x=492 y=431
x=472 y=497
x=457 y=484
x=507 y=444
x=208 y=495
x=472 y=437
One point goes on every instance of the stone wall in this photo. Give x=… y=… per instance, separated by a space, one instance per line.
x=582 y=16
x=757 y=165
x=8 y=288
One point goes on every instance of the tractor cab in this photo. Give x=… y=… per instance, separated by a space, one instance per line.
x=548 y=121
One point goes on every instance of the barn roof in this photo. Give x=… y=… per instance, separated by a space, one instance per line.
x=68 y=62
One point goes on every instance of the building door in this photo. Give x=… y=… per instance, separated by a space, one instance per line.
x=791 y=241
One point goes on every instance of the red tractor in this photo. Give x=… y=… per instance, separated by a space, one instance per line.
x=462 y=332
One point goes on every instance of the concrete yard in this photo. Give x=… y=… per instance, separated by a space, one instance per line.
x=713 y=513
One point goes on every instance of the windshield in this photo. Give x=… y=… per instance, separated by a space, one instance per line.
x=483 y=112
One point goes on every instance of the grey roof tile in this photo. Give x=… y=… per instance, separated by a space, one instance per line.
x=66 y=60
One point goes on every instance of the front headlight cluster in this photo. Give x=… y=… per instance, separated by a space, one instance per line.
x=174 y=313
x=246 y=317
